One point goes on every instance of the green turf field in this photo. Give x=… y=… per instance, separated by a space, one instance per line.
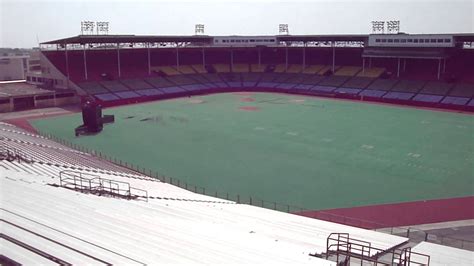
x=309 y=152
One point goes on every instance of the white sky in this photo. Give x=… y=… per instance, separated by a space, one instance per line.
x=22 y=22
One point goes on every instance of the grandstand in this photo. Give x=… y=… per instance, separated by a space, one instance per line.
x=101 y=201
x=410 y=81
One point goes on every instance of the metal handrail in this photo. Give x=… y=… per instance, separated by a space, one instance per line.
x=96 y=183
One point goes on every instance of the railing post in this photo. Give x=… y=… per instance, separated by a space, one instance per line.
x=238 y=198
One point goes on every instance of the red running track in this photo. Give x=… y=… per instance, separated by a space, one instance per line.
x=399 y=214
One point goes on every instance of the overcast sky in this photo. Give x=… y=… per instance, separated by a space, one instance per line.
x=23 y=22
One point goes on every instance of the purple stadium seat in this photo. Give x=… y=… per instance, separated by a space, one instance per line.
x=323 y=89
x=398 y=95
x=455 y=100
x=372 y=93
x=127 y=94
x=347 y=90
x=149 y=92
x=107 y=97
x=428 y=98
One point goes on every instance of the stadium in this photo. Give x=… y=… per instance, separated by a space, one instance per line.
x=276 y=149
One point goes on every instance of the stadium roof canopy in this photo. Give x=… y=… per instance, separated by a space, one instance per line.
x=85 y=39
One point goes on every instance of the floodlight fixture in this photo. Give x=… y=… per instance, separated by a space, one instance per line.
x=87 y=27
x=102 y=27
x=378 y=27
x=283 y=29
x=199 y=29
x=393 y=26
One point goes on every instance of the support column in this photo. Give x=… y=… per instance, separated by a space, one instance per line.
x=304 y=55
x=363 y=65
x=118 y=60
x=149 y=59
x=444 y=65
x=439 y=68
x=333 y=56
x=404 y=65
x=370 y=62
x=203 y=58
x=286 y=57
x=67 y=66
x=259 y=58
x=177 y=56
x=231 y=60
x=398 y=68
x=85 y=61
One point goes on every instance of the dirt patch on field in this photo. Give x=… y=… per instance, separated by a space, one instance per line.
x=247 y=99
x=249 y=108
x=196 y=101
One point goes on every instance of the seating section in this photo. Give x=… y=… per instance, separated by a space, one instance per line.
x=419 y=92
x=222 y=68
x=199 y=69
x=168 y=70
x=437 y=88
x=462 y=90
x=258 y=68
x=137 y=84
x=280 y=68
x=313 y=69
x=186 y=69
x=372 y=72
x=413 y=86
x=358 y=82
x=334 y=81
x=240 y=68
x=159 y=82
x=113 y=86
x=383 y=84
x=325 y=69
x=349 y=71
x=92 y=87
x=417 y=83
x=294 y=69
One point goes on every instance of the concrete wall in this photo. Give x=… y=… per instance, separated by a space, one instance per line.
x=67 y=101
x=11 y=69
x=44 y=103
x=6 y=107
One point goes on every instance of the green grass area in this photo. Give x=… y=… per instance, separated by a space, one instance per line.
x=309 y=152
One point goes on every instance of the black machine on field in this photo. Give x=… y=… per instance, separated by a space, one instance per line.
x=93 y=119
